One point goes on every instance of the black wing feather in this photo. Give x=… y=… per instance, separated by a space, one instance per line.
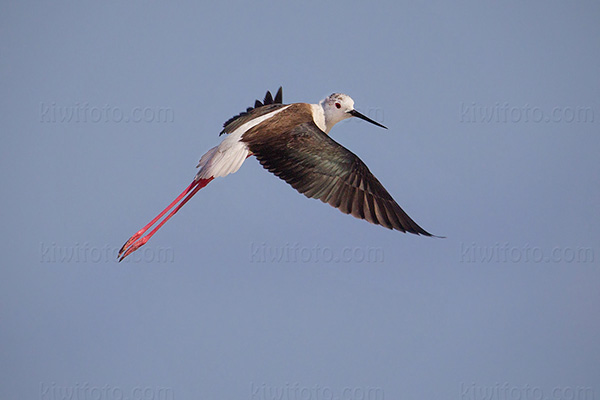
x=268 y=98
x=279 y=96
x=271 y=104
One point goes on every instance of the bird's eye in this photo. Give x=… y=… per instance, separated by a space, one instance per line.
x=338 y=105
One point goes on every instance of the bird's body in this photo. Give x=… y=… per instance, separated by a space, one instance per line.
x=292 y=141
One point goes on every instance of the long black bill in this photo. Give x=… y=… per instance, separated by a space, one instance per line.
x=361 y=116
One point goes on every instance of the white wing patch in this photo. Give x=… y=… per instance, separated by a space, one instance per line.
x=229 y=155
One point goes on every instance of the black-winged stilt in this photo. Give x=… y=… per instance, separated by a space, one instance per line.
x=292 y=141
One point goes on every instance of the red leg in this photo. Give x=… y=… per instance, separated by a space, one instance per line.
x=136 y=241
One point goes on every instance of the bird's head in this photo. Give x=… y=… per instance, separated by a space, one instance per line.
x=339 y=106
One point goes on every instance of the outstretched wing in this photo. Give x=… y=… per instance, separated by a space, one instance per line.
x=319 y=167
x=260 y=108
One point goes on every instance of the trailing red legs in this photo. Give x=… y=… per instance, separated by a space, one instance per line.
x=137 y=241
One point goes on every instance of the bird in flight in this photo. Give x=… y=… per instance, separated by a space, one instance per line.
x=292 y=141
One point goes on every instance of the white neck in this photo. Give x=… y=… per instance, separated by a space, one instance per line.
x=318 y=115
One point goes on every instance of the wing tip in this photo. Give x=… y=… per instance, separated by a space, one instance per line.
x=422 y=232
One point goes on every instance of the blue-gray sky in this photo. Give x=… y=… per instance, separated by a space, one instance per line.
x=253 y=291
